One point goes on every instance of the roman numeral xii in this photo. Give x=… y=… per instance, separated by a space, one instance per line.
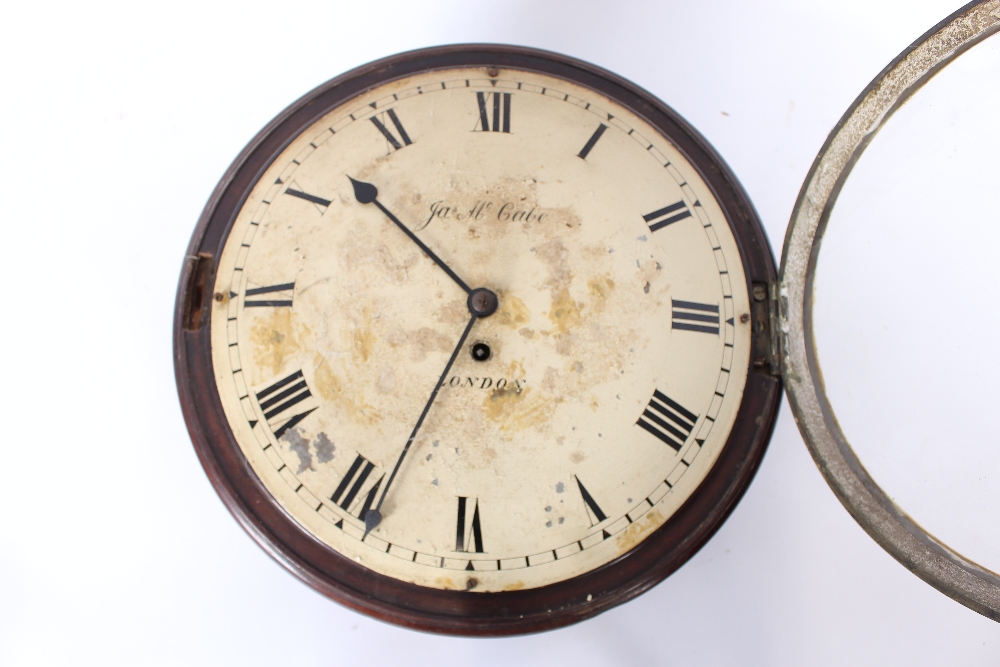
x=499 y=105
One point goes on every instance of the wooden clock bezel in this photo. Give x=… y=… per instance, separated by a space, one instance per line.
x=460 y=612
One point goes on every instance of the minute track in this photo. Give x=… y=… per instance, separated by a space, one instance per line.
x=611 y=528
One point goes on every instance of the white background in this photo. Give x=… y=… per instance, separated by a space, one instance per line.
x=117 y=122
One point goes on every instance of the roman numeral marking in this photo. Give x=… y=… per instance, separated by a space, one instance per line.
x=281 y=396
x=501 y=112
x=285 y=291
x=592 y=141
x=594 y=512
x=319 y=201
x=691 y=316
x=379 y=121
x=468 y=536
x=668 y=420
x=667 y=215
x=350 y=487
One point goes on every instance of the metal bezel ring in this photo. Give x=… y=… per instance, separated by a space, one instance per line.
x=920 y=552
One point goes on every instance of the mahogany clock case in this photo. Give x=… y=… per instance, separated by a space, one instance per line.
x=459 y=612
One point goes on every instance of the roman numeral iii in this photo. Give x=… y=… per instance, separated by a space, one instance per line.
x=380 y=122
x=469 y=535
x=691 y=316
x=500 y=106
x=668 y=420
x=276 y=400
x=667 y=215
x=282 y=296
x=350 y=487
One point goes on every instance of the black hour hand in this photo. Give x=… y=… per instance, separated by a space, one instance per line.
x=366 y=193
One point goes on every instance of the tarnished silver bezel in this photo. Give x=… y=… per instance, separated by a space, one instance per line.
x=890 y=526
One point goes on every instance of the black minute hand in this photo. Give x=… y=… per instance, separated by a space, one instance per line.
x=366 y=193
x=373 y=517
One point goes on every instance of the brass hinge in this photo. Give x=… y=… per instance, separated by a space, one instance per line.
x=200 y=269
x=766 y=339
x=774 y=326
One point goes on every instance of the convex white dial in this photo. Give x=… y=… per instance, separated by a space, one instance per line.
x=542 y=440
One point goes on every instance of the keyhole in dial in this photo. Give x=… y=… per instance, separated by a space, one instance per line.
x=481 y=352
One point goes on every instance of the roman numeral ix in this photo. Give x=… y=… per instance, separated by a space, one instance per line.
x=279 y=397
x=380 y=123
x=501 y=112
x=691 y=316
x=352 y=484
x=667 y=215
x=469 y=535
x=667 y=420
x=284 y=296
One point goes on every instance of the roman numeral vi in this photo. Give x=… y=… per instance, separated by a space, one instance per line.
x=468 y=536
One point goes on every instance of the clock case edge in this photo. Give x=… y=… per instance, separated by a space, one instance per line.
x=460 y=612
x=887 y=524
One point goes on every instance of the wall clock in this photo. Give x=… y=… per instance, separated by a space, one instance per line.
x=485 y=340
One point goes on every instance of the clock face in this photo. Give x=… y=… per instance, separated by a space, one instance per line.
x=472 y=347
x=573 y=421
